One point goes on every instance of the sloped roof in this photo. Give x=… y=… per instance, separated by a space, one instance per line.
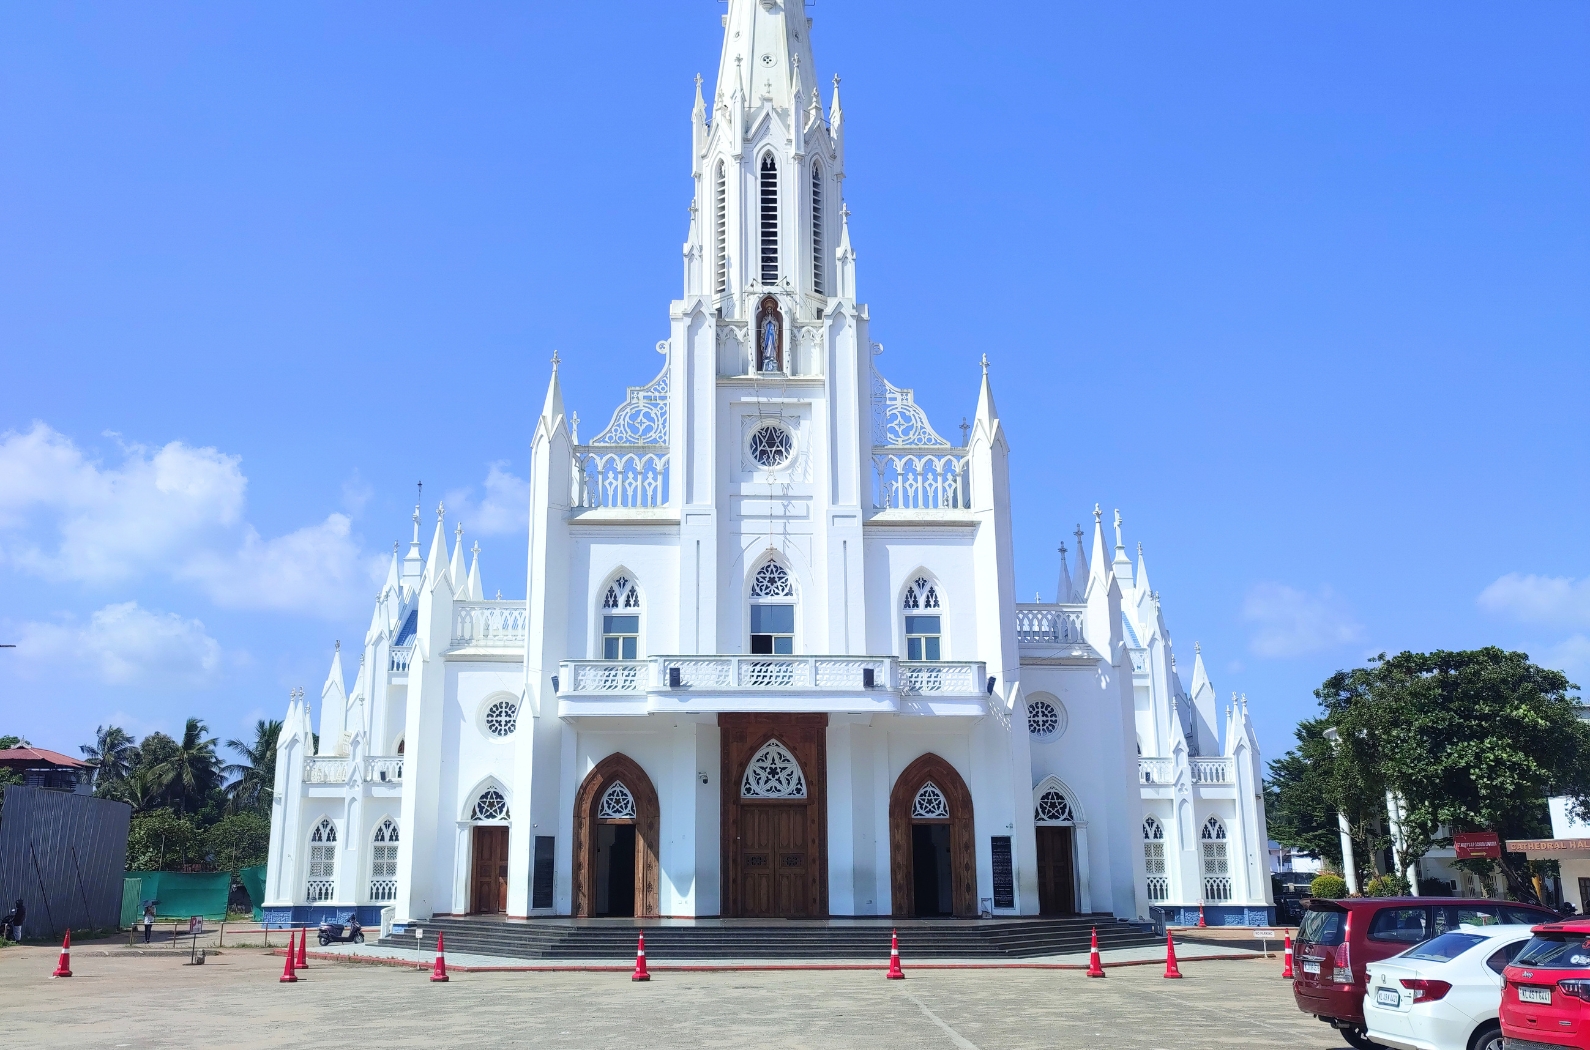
x=39 y=756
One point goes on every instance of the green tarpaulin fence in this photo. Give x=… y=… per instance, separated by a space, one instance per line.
x=177 y=894
x=131 y=901
x=254 y=882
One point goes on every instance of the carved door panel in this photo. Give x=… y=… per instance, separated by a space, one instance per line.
x=791 y=877
x=489 y=890
x=775 y=858
x=758 y=857
x=1056 y=890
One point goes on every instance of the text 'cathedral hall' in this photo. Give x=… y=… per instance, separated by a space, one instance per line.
x=771 y=660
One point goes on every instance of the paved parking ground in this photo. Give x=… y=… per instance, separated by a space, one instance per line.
x=234 y=1000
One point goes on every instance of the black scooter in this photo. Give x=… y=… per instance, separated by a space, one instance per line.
x=349 y=932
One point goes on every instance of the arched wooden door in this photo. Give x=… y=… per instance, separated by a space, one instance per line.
x=930 y=802
x=616 y=810
x=775 y=836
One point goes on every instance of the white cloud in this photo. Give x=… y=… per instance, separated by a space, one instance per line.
x=1556 y=600
x=175 y=511
x=504 y=509
x=1289 y=622
x=125 y=644
x=1570 y=656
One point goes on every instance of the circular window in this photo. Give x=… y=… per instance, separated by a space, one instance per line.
x=1045 y=719
x=771 y=445
x=502 y=718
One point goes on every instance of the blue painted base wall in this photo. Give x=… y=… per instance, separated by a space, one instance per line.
x=1220 y=915
x=310 y=915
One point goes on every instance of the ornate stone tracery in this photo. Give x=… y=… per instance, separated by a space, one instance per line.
x=771 y=446
x=617 y=803
x=1043 y=719
x=921 y=595
x=930 y=804
x=772 y=581
x=490 y=806
x=1054 y=808
x=773 y=773
x=897 y=421
x=502 y=718
x=643 y=417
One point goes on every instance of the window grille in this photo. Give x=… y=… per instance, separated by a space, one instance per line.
x=772 y=581
x=769 y=231
x=1217 y=863
x=923 y=634
x=617 y=803
x=1154 y=860
x=490 y=806
x=773 y=773
x=502 y=718
x=721 y=228
x=383 y=863
x=1043 y=719
x=1053 y=808
x=322 y=862
x=818 y=284
x=621 y=620
x=771 y=446
x=930 y=804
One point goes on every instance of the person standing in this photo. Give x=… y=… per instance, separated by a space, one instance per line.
x=19 y=916
x=149 y=920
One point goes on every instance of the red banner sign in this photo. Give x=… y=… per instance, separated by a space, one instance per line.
x=1477 y=845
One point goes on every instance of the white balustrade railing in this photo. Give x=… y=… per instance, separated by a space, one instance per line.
x=334 y=769
x=1156 y=770
x=620 y=476
x=605 y=676
x=915 y=479
x=329 y=770
x=958 y=679
x=490 y=625
x=755 y=673
x=398 y=659
x=1048 y=624
x=1217 y=888
x=321 y=890
x=384 y=770
x=1212 y=770
x=383 y=890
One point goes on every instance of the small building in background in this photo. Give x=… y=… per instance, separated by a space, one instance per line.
x=48 y=769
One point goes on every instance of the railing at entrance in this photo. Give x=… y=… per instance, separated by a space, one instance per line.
x=800 y=674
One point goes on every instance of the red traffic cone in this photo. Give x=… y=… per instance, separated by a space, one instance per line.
x=895 y=973
x=303 y=950
x=1287 y=971
x=1201 y=924
x=1095 y=968
x=1171 y=969
x=288 y=977
x=63 y=968
x=439 y=968
x=640 y=973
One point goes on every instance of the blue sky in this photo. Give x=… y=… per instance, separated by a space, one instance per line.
x=1301 y=289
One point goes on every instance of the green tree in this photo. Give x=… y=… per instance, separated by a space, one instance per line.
x=256 y=774
x=9 y=742
x=111 y=754
x=161 y=840
x=193 y=769
x=238 y=840
x=142 y=790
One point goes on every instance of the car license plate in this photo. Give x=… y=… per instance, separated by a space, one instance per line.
x=1529 y=994
x=1311 y=966
x=1388 y=997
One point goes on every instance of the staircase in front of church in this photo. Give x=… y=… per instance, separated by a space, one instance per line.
x=774 y=940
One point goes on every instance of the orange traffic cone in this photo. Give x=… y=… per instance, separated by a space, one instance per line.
x=63 y=968
x=895 y=973
x=1095 y=968
x=640 y=973
x=1201 y=924
x=1287 y=971
x=288 y=977
x=303 y=950
x=439 y=969
x=1171 y=969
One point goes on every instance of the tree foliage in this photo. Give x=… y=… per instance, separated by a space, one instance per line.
x=255 y=775
x=111 y=756
x=238 y=840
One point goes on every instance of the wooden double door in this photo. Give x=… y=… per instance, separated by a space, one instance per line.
x=488 y=891
x=1057 y=890
x=775 y=851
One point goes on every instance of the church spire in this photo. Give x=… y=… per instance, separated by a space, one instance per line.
x=456 y=567
x=763 y=41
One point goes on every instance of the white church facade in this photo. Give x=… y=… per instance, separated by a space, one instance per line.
x=771 y=661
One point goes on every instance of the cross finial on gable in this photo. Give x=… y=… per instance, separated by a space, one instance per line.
x=555 y=360
x=441 y=510
x=985 y=364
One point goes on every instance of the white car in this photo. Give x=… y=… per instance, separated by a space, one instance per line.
x=1443 y=994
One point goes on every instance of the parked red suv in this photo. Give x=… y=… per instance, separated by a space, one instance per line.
x=1338 y=938
x=1546 y=997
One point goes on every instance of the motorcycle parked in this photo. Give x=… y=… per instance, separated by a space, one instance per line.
x=346 y=932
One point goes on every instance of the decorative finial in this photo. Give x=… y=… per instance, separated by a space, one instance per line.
x=555 y=362
x=499 y=594
x=395 y=545
x=475 y=550
x=441 y=510
x=836 y=80
x=965 y=430
x=1098 y=514
x=337 y=646
x=985 y=364
x=1078 y=535
x=1198 y=647
x=1062 y=552
x=698 y=81
x=1139 y=548
x=1120 y=544
x=574 y=427
x=459 y=532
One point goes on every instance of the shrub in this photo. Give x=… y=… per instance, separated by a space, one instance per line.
x=1329 y=887
x=1387 y=886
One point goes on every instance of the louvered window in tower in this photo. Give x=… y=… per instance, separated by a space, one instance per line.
x=818 y=284
x=769 y=226
x=720 y=226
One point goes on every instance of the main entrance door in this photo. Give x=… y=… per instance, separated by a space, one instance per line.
x=1056 y=889
x=489 y=889
x=775 y=815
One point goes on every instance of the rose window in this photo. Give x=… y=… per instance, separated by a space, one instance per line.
x=1053 y=808
x=773 y=773
x=490 y=806
x=502 y=718
x=617 y=804
x=771 y=446
x=1043 y=719
x=930 y=804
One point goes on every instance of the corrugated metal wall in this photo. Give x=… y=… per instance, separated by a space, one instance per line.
x=63 y=854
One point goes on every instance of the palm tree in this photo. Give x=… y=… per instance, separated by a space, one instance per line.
x=193 y=767
x=111 y=754
x=256 y=774
x=142 y=790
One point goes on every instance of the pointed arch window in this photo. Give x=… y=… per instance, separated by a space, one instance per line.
x=930 y=804
x=923 y=633
x=769 y=216
x=490 y=806
x=819 y=271
x=1054 y=808
x=1154 y=860
x=773 y=773
x=720 y=228
x=322 y=862
x=383 y=862
x=1216 y=861
x=621 y=620
x=772 y=611
x=618 y=803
